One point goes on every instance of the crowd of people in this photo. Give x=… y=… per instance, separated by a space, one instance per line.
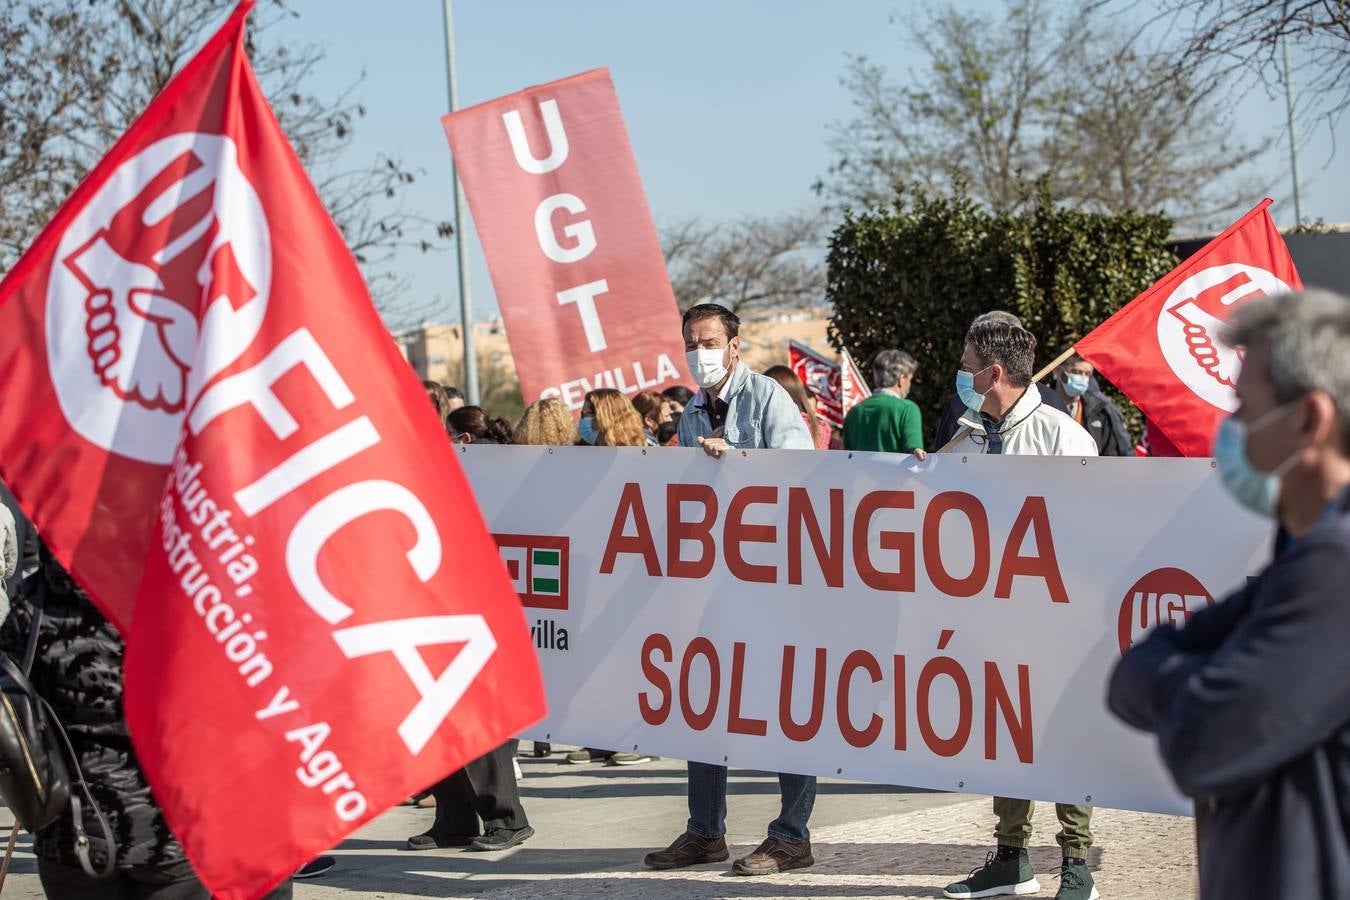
x=996 y=408
x=887 y=421
x=1238 y=669
x=1249 y=699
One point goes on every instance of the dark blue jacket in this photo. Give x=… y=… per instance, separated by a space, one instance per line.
x=1105 y=422
x=1251 y=705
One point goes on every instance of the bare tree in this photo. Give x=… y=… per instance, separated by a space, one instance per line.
x=976 y=115
x=1125 y=134
x=53 y=70
x=1241 y=40
x=78 y=72
x=749 y=265
x=1066 y=103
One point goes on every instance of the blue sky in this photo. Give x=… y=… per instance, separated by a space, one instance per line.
x=728 y=102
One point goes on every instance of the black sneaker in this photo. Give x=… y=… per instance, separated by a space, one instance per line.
x=1075 y=881
x=317 y=866
x=1006 y=872
x=429 y=841
x=501 y=839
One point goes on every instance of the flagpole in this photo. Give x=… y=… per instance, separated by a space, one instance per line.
x=461 y=240
x=1293 y=133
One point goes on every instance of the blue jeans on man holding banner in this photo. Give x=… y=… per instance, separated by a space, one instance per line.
x=708 y=804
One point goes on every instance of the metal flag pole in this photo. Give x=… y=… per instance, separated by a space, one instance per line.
x=461 y=239
x=1293 y=133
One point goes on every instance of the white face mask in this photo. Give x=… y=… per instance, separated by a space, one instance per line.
x=707 y=366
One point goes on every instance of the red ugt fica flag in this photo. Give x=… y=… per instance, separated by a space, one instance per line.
x=574 y=256
x=211 y=428
x=1163 y=349
x=837 y=386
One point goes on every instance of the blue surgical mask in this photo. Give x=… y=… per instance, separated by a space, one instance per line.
x=1258 y=491
x=1074 y=385
x=586 y=426
x=965 y=388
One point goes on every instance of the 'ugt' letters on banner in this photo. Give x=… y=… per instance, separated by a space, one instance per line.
x=574 y=256
x=213 y=432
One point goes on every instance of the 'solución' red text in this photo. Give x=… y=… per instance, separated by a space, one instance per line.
x=989 y=701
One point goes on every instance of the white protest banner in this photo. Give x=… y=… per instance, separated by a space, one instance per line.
x=948 y=624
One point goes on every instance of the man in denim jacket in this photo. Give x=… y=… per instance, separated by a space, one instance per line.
x=741 y=410
x=736 y=408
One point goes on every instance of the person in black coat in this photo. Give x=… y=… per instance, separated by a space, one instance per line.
x=484 y=789
x=1250 y=700
x=78 y=670
x=1083 y=400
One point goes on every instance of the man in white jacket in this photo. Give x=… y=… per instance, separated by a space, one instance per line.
x=1005 y=414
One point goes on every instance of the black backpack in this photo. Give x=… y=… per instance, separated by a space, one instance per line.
x=36 y=757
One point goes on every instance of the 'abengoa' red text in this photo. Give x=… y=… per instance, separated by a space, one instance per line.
x=830 y=532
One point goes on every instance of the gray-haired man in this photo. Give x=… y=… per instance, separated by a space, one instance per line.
x=888 y=421
x=1250 y=700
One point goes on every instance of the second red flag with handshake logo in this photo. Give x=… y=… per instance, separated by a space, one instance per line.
x=1164 y=349
x=211 y=428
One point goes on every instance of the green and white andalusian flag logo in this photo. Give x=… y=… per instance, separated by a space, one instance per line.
x=538 y=568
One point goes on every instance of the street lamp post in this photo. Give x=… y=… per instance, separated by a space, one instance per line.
x=1293 y=132
x=461 y=239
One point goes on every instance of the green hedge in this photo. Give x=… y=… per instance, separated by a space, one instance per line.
x=915 y=275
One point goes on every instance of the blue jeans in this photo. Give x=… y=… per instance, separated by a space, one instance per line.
x=708 y=804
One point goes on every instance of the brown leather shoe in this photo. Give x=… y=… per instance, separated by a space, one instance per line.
x=774 y=856
x=689 y=849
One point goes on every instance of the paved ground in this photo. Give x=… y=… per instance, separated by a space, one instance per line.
x=595 y=823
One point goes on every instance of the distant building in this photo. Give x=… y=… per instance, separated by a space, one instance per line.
x=435 y=350
x=1322 y=259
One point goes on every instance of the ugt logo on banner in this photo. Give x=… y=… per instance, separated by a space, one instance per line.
x=1167 y=596
x=214 y=433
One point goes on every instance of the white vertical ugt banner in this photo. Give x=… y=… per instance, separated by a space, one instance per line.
x=948 y=624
